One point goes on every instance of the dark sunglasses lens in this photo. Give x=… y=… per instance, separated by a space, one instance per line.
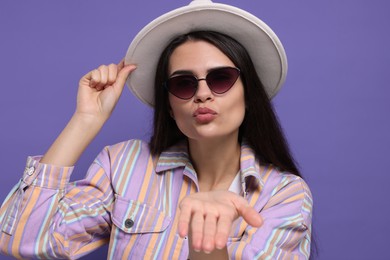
x=221 y=80
x=182 y=86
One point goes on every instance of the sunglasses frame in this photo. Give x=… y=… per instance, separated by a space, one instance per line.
x=166 y=83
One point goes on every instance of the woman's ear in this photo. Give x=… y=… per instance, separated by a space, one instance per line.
x=171 y=113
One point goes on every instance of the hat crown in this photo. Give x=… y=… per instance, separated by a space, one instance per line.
x=262 y=44
x=200 y=2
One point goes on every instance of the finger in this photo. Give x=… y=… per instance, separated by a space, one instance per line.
x=123 y=74
x=250 y=215
x=112 y=74
x=184 y=220
x=103 y=70
x=197 y=223
x=223 y=230
x=121 y=64
x=94 y=78
x=210 y=228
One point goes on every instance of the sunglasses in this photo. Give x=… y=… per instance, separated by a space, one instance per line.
x=219 y=80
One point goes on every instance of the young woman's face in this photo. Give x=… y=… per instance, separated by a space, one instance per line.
x=207 y=114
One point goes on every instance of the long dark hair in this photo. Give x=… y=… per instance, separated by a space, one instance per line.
x=260 y=128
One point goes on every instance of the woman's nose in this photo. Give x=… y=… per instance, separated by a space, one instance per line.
x=203 y=92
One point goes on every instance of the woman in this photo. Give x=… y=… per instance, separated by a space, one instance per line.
x=217 y=158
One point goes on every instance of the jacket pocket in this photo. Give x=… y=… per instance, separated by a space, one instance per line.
x=135 y=217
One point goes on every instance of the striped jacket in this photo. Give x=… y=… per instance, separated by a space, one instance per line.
x=129 y=199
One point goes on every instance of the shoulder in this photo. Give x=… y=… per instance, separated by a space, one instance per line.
x=135 y=148
x=119 y=153
x=129 y=144
x=282 y=189
x=125 y=162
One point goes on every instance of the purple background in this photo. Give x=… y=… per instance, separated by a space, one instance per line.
x=334 y=106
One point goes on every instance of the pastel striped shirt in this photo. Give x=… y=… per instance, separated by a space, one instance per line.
x=129 y=199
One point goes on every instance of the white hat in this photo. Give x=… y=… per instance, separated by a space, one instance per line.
x=262 y=44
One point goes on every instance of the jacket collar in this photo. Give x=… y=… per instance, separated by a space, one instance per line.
x=177 y=156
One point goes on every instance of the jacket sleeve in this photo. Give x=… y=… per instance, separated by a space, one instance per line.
x=286 y=208
x=45 y=216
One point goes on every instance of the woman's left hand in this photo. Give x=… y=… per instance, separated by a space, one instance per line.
x=210 y=216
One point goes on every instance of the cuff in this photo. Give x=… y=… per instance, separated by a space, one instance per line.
x=45 y=175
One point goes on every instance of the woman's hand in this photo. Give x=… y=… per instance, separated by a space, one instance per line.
x=210 y=216
x=100 y=89
x=98 y=93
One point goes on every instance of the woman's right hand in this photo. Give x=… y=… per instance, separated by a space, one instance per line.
x=100 y=89
x=98 y=93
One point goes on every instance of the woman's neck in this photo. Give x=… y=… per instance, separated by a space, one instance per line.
x=216 y=162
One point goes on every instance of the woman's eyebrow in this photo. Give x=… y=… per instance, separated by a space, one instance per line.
x=182 y=72
x=190 y=72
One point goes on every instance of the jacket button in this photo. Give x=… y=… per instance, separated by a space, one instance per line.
x=29 y=170
x=129 y=223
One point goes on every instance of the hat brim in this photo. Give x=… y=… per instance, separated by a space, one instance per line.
x=262 y=44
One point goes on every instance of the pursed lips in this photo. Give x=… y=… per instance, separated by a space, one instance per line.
x=204 y=115
x=203 y=111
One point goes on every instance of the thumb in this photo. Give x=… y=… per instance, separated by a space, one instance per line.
x=249 y=214
x=252 y=217
x=123 y=74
